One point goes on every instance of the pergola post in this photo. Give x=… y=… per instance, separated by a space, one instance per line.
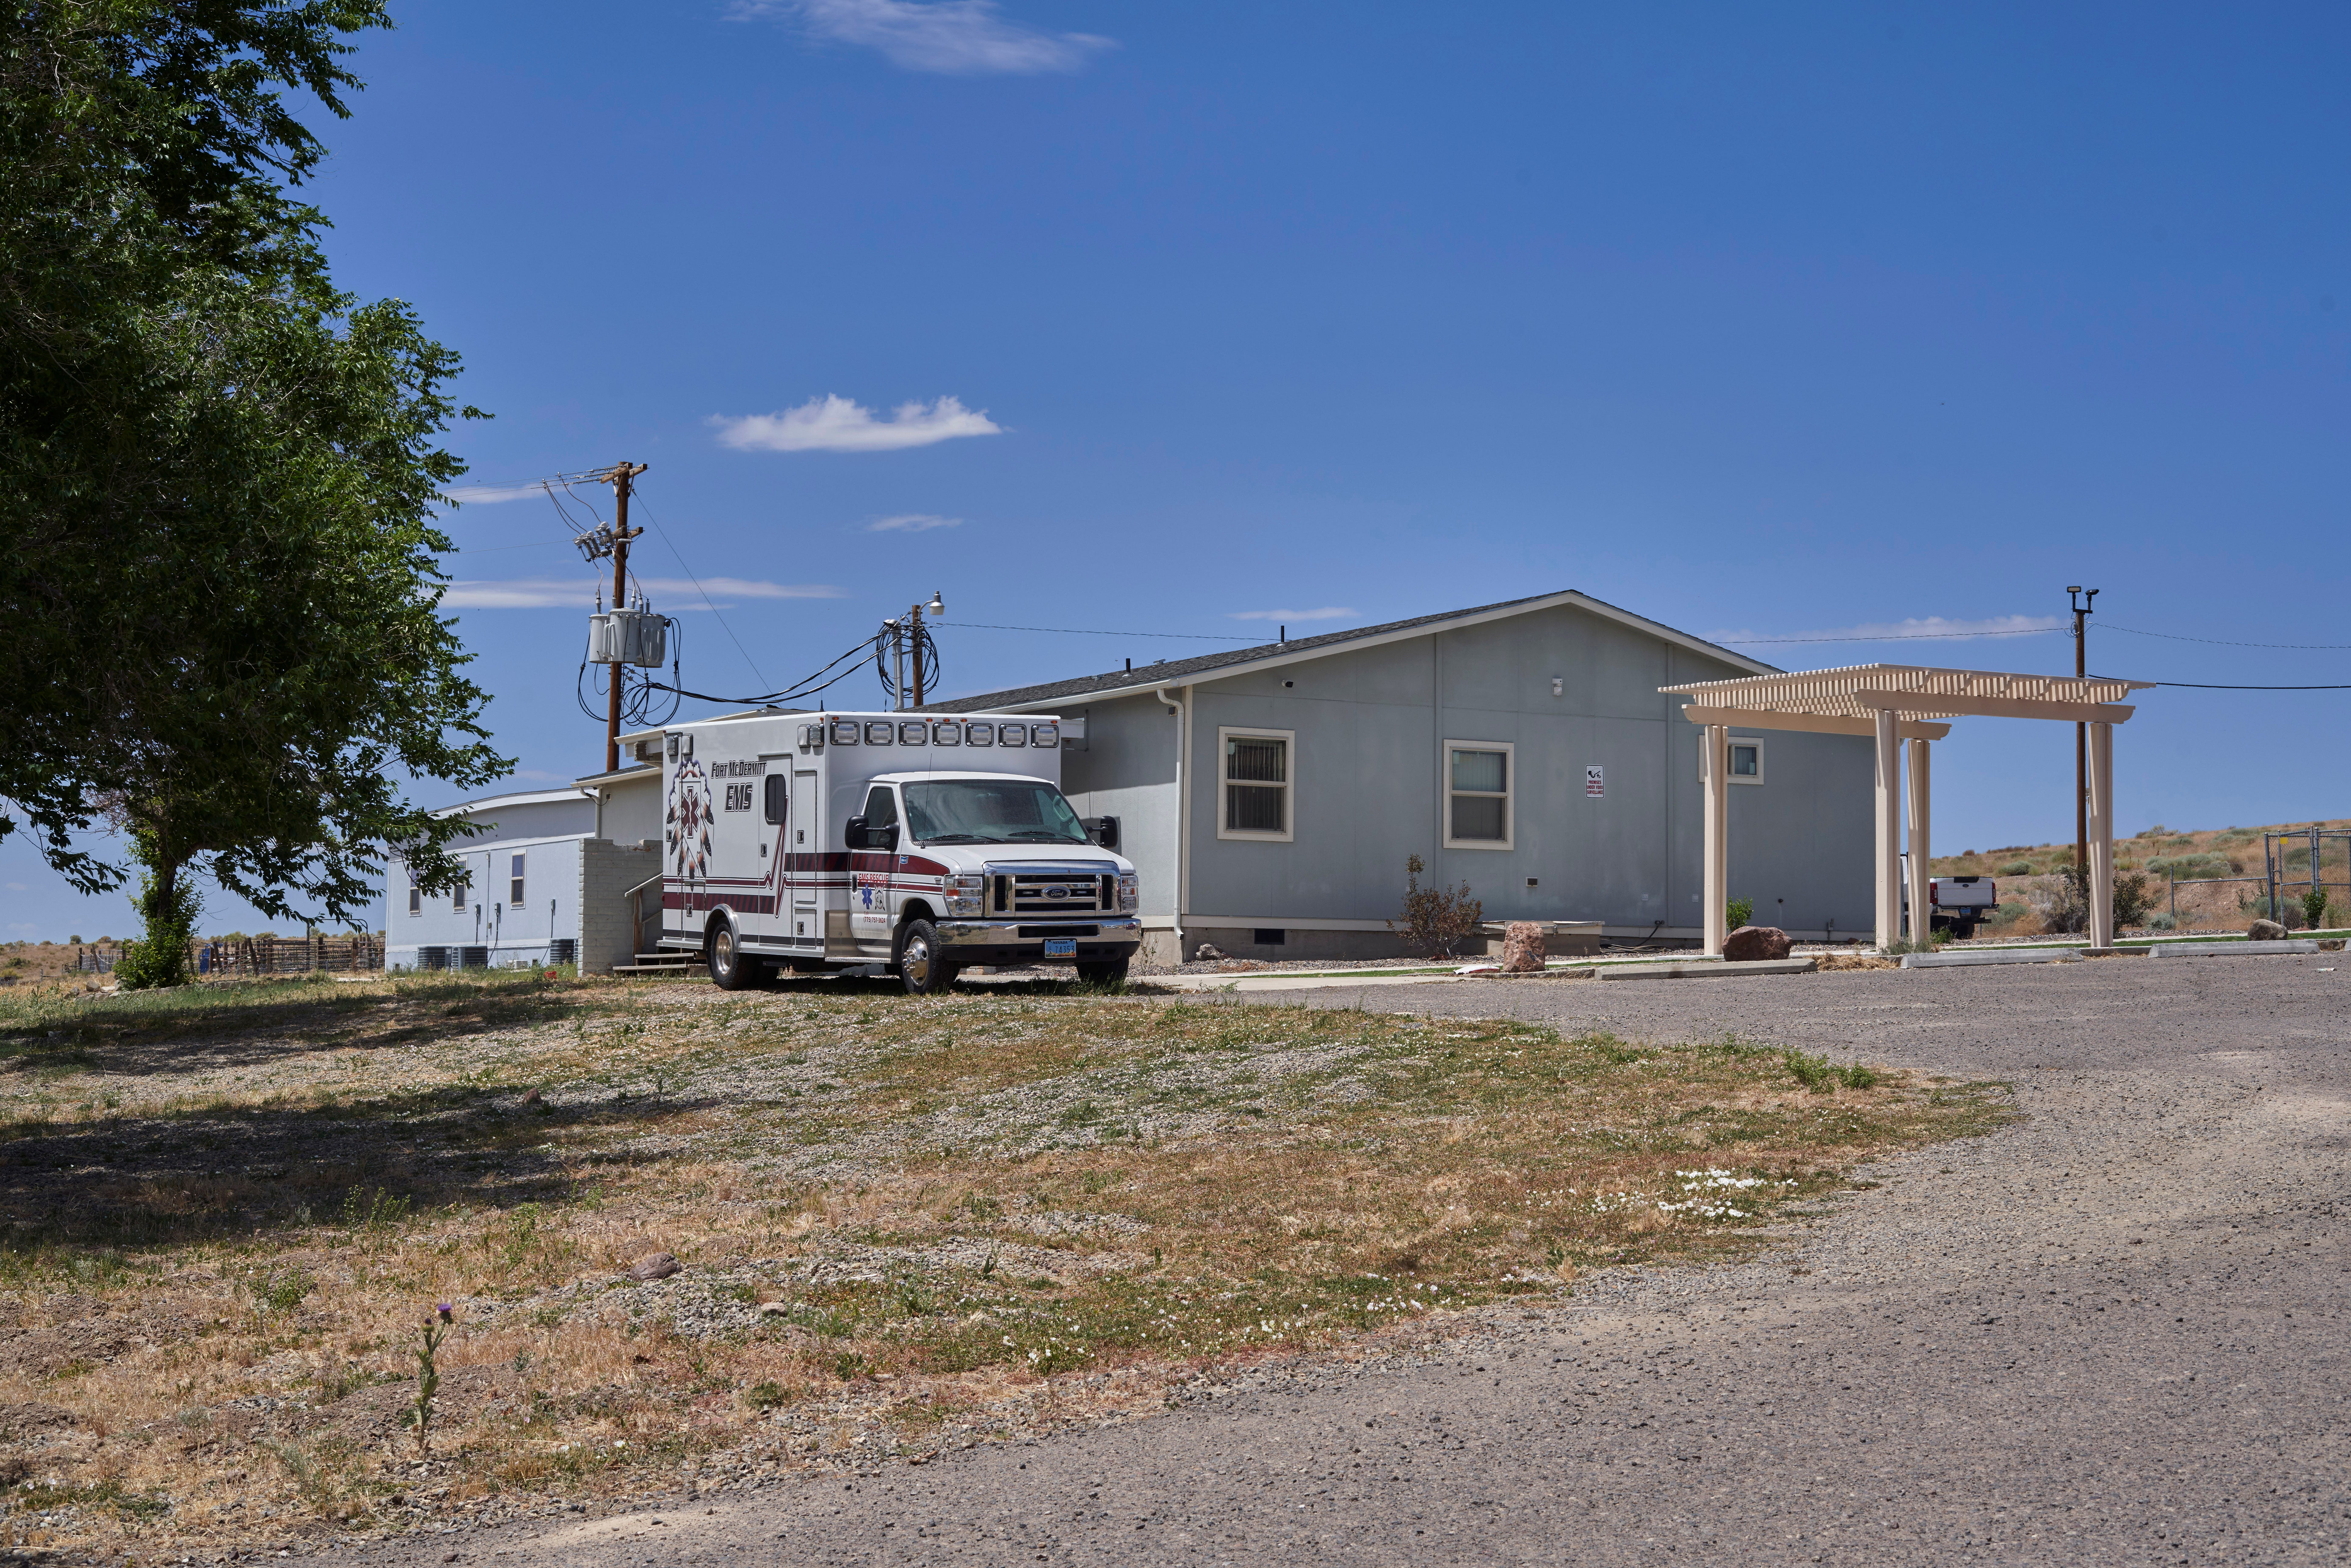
x=1718 y=837
x=1888 y=814
x=1922 y=908
x=2102 y=835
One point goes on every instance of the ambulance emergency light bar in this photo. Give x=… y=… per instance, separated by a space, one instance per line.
x=936 y=732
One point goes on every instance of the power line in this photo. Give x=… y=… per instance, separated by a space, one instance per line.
x=705 y=597
x=1891 y=636
x=1085 y=631
x=2209 y=686
x=2224 y=642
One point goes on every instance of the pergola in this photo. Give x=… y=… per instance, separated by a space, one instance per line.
x=1899 y=704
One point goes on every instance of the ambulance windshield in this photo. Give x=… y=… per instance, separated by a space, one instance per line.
x=990 y=811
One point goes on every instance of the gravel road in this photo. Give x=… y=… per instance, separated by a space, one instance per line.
x=2115 y=1333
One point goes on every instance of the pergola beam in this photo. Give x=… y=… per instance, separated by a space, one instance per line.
x=1995 y=707
x=1814 y=722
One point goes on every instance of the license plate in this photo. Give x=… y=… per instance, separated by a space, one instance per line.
x=1061 y=946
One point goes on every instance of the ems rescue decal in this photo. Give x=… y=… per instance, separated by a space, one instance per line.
x=687 y=824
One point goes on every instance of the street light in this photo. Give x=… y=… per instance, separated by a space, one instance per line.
x=937 y=607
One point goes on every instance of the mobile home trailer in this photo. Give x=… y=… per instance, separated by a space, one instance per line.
x=921 y=843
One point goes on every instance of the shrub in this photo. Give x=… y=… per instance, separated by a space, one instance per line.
x=2191 y=867
x=1436 y=920
x=2313 y=908
x=171 y=912
x=2017 y=868
x=2162 y=920
x=2134 y=895
x=1740 y=912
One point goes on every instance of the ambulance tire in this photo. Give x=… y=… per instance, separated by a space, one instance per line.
x=920 y=967
x=731 y=969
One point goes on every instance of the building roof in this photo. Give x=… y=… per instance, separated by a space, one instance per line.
x=1239 y=661
x=526 y=797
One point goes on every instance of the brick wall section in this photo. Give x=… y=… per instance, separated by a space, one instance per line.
x=607 y=871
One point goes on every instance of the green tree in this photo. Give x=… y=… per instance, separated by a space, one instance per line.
x=224 y=593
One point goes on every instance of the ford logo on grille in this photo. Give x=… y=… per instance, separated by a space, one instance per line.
x=1056 y=893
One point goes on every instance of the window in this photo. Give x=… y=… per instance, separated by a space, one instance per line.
x=1005 y=812
x=461 y=894
x=1746 y=759
x=775 y=786
x=415 y=896
x=1477 y=786
x=514 y=889
x=1256 y=784
x=881 y=808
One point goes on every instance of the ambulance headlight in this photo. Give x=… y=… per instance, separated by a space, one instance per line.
x=1130 y=893
x=967 y=893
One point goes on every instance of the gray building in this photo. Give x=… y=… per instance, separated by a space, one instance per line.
x=1270 y=796
x=551 y=877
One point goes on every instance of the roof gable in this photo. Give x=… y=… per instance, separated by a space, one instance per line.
x=1239 y=661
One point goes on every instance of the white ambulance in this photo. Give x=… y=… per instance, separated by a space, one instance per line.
x=921 y=843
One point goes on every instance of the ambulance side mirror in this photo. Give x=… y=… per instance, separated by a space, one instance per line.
x=853 y=834
x=1103 y=831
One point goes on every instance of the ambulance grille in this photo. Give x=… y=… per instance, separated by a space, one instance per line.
x=1053 y=892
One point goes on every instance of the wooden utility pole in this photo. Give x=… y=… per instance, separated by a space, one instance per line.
x=2081 y=600
x=916 y=645
x=623 y=475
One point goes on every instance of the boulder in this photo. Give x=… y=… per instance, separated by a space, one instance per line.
x=2265 y=931
x=653 y=1266
x=1523 y=947
x=1209 y=954
x=1749 y=943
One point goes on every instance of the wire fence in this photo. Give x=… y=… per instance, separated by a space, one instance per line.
x=248 y=957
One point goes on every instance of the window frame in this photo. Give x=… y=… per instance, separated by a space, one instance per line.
x=516 y=879
x=1289 y=785
x=415 y=897
x=1735 y=742
x=462 y=896
x=1508 y=796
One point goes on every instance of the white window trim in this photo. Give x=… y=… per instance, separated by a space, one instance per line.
x=1510 y=751
x=1761 y=764
x=1288 y=738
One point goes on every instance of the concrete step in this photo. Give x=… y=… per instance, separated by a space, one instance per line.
x=682 y=967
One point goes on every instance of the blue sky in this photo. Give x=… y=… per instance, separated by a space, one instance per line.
x=1808 y=321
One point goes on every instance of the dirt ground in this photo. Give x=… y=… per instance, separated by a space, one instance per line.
x=2113 y=1332
x=657 y=1232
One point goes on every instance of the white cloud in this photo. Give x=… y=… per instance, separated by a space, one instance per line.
x=912 y=523
x=946 y=37
x=838 y=424
x=1925 y=628
x=669 y=593
x=540 y=775
x=18 y=887
x=489 y=494
x=1328 y=612
x=679 y=589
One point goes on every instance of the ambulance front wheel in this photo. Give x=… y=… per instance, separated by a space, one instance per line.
x=731 y=969
x=921 y=967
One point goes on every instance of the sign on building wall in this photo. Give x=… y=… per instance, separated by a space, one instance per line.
x=1591 y=785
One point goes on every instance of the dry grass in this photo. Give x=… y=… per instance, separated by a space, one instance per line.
x=901 y=1225
x=2160 y=853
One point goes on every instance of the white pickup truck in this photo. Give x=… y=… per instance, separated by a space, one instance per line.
x=825 y=841
x=1956 y=903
